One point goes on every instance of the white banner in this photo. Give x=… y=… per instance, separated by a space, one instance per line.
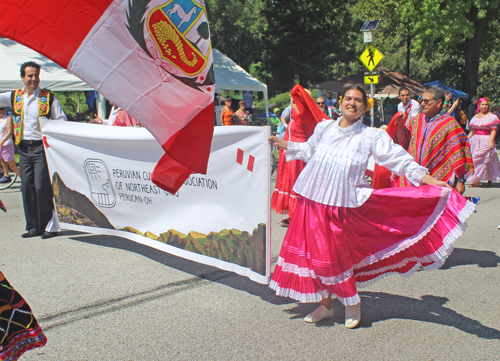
x=101 y=179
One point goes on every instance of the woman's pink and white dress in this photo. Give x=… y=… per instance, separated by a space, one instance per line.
x=344 y=234
x=486 y=164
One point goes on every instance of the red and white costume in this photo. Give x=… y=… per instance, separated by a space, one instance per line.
x=486 y=164
x=345 y=234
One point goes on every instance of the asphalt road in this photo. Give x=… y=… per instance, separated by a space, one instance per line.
x=107 y=298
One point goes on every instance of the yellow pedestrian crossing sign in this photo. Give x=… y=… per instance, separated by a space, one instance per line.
x=371 y=79
x=371 y=57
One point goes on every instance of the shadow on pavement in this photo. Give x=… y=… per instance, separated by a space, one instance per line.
x=463 y=257
x=379 y=306
x=196 y=269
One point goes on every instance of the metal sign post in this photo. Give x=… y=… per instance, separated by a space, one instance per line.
x=370 y=58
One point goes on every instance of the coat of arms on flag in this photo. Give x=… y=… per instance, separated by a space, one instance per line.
x=178 y=39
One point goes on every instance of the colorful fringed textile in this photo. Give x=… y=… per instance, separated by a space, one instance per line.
x=19 y=330
x=444 y=150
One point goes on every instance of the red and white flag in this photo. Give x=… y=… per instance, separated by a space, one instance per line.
x=152 y=58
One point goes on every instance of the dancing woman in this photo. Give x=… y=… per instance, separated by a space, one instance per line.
x=482 y=143
x=345 y=234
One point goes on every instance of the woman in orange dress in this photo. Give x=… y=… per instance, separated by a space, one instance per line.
x=226 y=113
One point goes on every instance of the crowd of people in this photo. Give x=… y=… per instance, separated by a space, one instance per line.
x=343 y=232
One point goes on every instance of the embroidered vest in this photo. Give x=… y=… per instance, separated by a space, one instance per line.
x=45 y=99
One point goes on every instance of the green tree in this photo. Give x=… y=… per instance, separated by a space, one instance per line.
x=305 y=41
x=460 y=24
x=236 y=28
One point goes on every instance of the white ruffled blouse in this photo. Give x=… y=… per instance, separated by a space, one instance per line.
x=338 y=157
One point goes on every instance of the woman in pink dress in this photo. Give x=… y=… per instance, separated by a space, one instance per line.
x=241 y=116
x=482 y=145
x=344 y=234
x=304 y=117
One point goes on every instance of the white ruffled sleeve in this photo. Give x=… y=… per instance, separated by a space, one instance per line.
x=304 y=151
x=395 y=158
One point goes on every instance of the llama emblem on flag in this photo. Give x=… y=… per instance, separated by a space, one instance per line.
x=177 y=39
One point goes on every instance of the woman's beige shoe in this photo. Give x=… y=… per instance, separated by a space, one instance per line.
x=320 y=313
x=352 y=315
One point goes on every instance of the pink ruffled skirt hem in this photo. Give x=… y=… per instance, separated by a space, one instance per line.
x=334 y=250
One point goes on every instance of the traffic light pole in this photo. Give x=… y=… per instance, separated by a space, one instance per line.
x=368 y=27
x=372 y=111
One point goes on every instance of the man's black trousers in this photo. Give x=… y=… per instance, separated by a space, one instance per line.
x=35 y=185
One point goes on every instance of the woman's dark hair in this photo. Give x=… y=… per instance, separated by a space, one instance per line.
x=242 y=102
x=228 y=100
x=358 y=88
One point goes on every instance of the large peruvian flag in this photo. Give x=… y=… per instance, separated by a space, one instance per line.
x=152 y=58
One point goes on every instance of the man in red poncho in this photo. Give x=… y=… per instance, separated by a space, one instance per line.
x=435 y=140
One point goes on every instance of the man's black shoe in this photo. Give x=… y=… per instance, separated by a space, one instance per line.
x=31 y=234
x=46 y=235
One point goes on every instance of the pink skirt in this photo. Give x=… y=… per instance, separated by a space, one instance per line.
x=330 y=249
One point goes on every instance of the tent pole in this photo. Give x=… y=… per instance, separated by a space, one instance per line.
x=266 y=104
x=101 y=107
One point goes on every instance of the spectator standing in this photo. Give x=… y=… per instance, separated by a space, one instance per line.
x=336 y=112
x=226 y=113
x=436 y=141
x=7 y=146
x=449 y=106
x=330 y=100
x=241 y=116
x=472 y=108
x=408 y=107
x=286 y=114
x=320 y=101
x=32 y=103
x=482 y=141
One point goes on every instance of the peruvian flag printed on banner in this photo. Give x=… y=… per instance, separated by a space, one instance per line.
x=151 y=58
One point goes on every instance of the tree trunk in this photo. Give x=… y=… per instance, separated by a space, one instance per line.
x=408 y=49
x=473 y=53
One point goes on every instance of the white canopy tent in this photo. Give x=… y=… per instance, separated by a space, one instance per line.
x=53 y=77
x=230 y=76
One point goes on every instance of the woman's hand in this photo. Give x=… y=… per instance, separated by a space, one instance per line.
x=278 y=142
x=399 y=117
x=491 y=144
x=430 y=180
x=96 y=120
